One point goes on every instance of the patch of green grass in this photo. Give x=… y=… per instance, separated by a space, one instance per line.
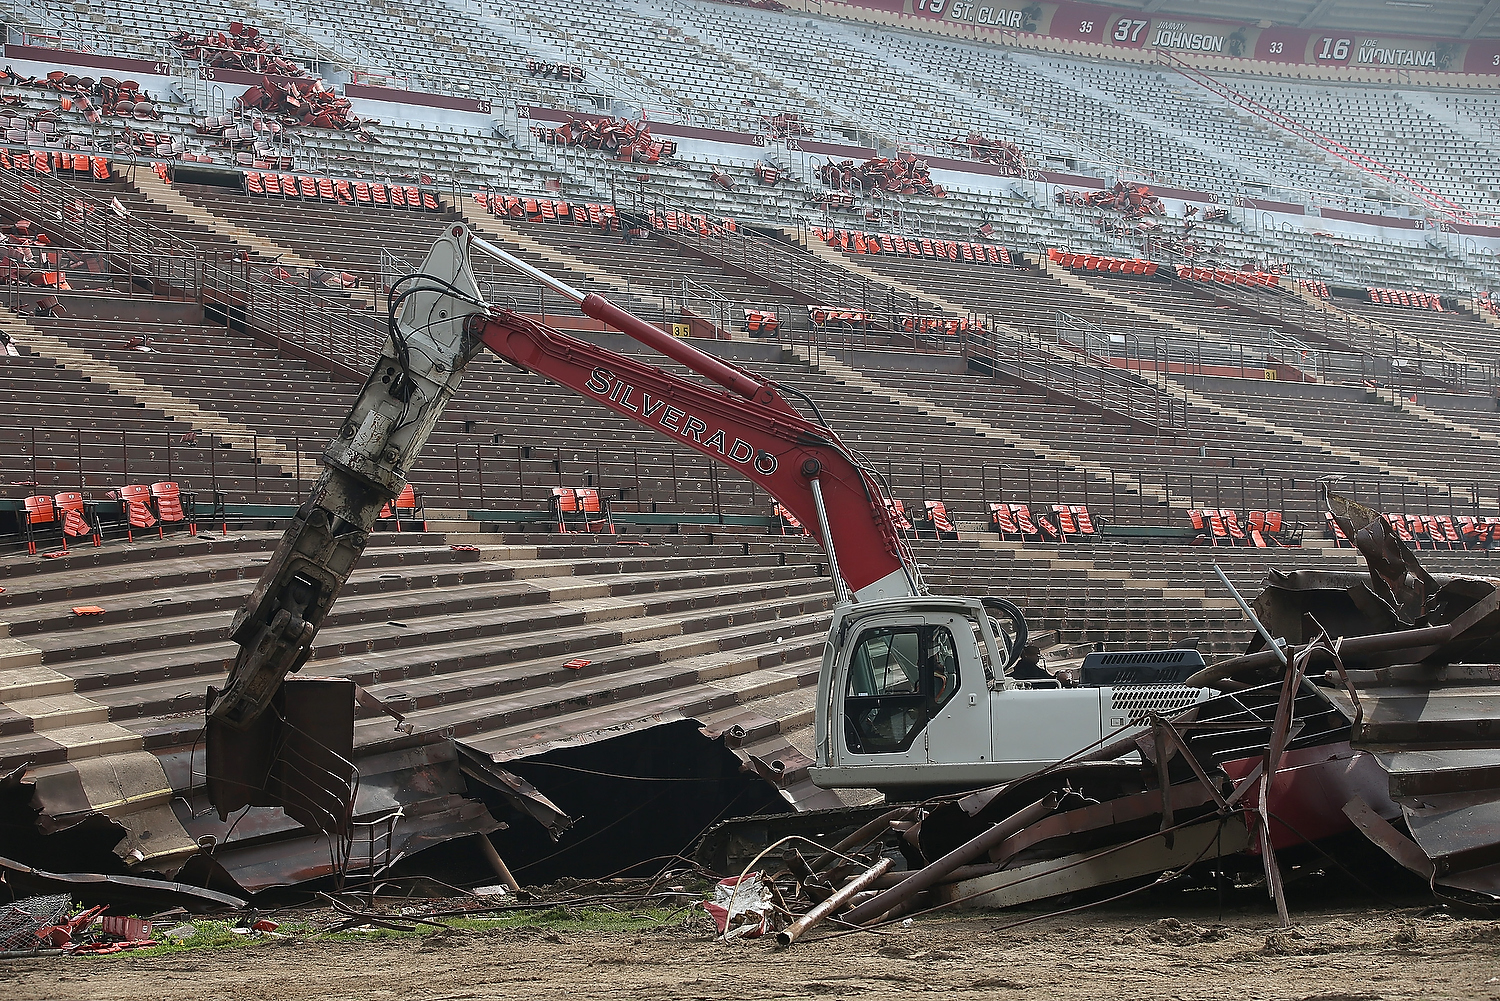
x=581 y=919
x=207 y=934
x=212 y=934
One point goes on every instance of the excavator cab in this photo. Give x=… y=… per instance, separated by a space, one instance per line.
x=900 y=675
x=915 y=697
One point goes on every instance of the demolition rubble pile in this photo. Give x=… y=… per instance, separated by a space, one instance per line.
x=93 y=99
x=1131 y=200
x=899 y=175
x=999 y=152
x=631 y=142
x=309 y=102
x=1373 y=709
x=1370 y=703
x=243 y=48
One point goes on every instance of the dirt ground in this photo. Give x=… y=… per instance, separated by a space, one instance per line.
x=1329 y=956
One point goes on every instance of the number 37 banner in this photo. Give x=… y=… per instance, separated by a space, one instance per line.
x=1111 y=26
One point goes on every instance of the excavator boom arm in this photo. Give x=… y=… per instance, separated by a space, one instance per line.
x=777 y=449
x=442 y=322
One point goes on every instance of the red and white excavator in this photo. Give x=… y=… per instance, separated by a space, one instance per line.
x=915 y=692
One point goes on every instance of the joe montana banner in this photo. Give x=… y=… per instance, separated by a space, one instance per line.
x=1082 y=22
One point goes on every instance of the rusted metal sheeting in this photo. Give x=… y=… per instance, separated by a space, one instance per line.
x=263 y=847
x=775 y=760
x=1410 y=660
x=134 y=891
x=1436 y=732
x=524 y=796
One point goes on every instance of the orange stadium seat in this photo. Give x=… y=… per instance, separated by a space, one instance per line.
x=898 y=514
x=174 y=506
x=788 y=522
x=1001 y=520
x=79 y=516
x=135 y=509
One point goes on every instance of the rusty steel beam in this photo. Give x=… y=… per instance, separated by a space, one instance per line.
x=962 y=855
x=794 y=931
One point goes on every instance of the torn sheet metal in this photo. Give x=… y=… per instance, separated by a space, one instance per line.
x=295 y=757
x=1395 y=594
x=262 y=847
x=131 y=892
x=1412 y=661
x=522 y=795
x=1310 y=788
x=777 y=762
x=1086 y=870
x=1435 y=731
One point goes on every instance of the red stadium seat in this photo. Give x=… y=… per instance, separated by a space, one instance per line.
x=80 y=517
x=898 y=514
x=1084 y=520
x=937 y=518
x=1001 y=520
x=408 y=503
x=788 y=522
x=1063 y=514
x=1025 y=525
x=39 y=512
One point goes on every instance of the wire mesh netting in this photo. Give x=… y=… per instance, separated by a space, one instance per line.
x=20 y=921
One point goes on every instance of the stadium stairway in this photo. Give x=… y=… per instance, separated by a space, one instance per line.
x=1473 y=311
x=500 y=231
x=1102 y=474
x=483 y=644
x=844 y=261
x=1401 y=401
x=142 y=393
x=1343 y=315
x=1217 y=396
x=1064 y=276
x=162 y=194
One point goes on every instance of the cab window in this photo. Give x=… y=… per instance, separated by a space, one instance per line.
x=899 y=677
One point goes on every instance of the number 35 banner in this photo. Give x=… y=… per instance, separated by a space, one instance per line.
x=1112 y=26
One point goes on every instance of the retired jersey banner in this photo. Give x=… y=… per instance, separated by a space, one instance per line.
x=1112 y=26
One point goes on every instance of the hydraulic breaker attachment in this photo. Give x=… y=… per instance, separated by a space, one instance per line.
x=365 y=467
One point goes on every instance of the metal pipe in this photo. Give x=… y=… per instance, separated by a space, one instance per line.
x=962 y=855
x=840 y=592
x=498 y=864
x=794 y=931
x=864 y=834
x=1271 y=642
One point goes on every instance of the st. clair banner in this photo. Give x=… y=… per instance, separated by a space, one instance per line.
x=1082 y=22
